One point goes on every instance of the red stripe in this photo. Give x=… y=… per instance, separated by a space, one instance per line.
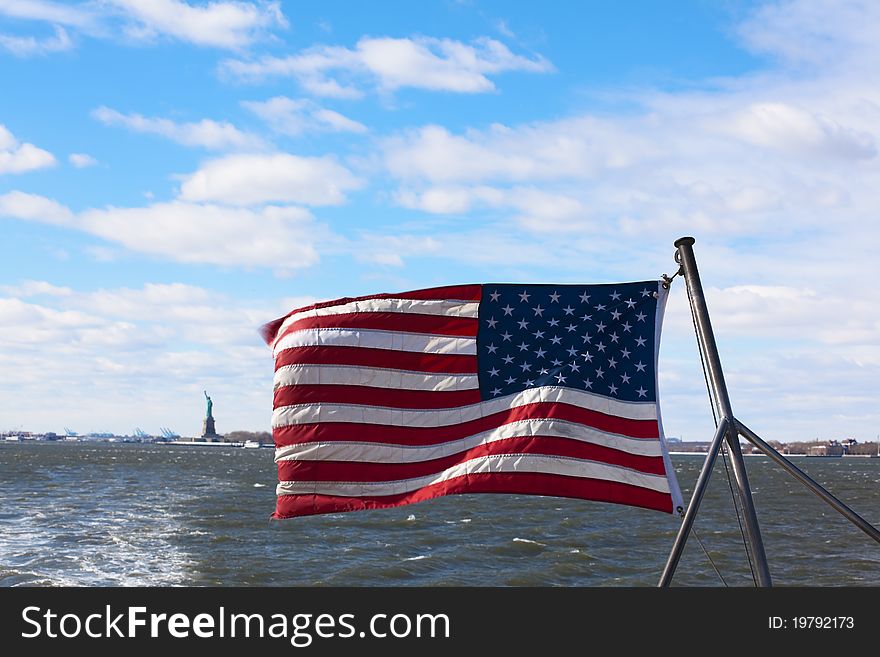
x=397 y=360
x=387 y=397
x=521 y=483
x=448 y=292
x=380 y=433
x=409 y=322
x=540 y=445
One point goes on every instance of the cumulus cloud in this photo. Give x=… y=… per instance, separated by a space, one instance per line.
x=216 y=24
x=28 y=46
x=292 y=117
x=206 y=133
x=388 y=64
x=281 y=237
x=16 y=157
x=81 y=160
x=278 y=177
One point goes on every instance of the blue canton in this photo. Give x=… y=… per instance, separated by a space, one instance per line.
x=598 y=338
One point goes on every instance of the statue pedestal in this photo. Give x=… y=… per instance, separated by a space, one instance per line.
x=208 y=430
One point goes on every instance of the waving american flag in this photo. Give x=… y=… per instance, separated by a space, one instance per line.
x=392 y=399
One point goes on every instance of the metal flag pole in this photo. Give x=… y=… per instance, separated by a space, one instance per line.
x=715 y=375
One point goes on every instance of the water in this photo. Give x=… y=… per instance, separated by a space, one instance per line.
x=106 y=514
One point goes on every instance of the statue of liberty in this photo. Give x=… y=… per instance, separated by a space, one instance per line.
x=208 y=430
x=209 y=413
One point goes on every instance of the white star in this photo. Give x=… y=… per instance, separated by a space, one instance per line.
x=615 y=315
x=601 y=306
x=556 y=362
x=640 y=366
x=523 y=324
x=586 y=317
x=600 y=373
x=555 y=339
x=554 y=298
x=523 y=346
x=630 y=303
x=493 y=372
x=506 y=336
x=641 y=317
x=612 y=362
x=508 y=359
x=574 y=367
x=588 y=357
x=624 y=377
x=640 y=342
x=572 y=351
x=614 y=337
x=553 y=322
x=538 y=311
x=529 y=382
x=492 y=322
x=560 y=378
x=585 y=297
x=642 y=392
x=588 y=383
x=540 y=353
x=509 y=380
x=625 y=353
x=526 y=366
x=615 y=295
x=627 y=327
x=495 y=295
x=524 y=296
x=601 y=347
x=612 y=389
x=568 y=310
x=587 y=337
x=492 y=348
x=543 y=370
x=508 y=309
x=496 y=391
x=646 y=292
x=601 y=327
x=571 y=327
x=538 y=334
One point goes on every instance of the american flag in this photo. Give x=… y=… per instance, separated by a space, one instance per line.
x=391 y=399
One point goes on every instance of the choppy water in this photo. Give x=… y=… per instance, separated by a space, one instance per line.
x=108 y=514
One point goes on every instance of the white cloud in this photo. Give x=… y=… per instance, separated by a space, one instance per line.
x=217 y=24
x=144 y=351
x=292 y=117
x=16 y=157
x=32 y=207
x=35 y=288
x=272 y=237
x=205 y=133
x=388 y=64
x=278 y=177
x=81 y=160
x=76 y=15
x=29 y=46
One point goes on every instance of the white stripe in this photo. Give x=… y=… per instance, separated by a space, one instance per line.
x=376 y=339
x=374 y=377
x=556 y=465
x=384 y=453
x=415 y=306
x=441 y=417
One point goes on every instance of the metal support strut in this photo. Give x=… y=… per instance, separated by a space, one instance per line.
x=706 y=340
x=730 y=428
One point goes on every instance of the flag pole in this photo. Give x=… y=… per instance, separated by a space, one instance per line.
x=715 y=375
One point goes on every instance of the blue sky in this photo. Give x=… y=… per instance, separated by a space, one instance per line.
x=173 y=174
